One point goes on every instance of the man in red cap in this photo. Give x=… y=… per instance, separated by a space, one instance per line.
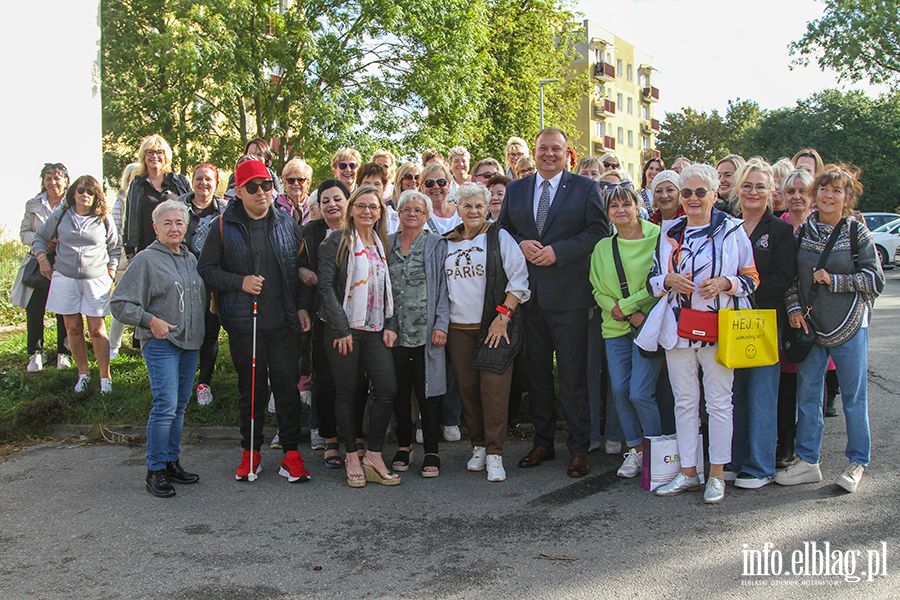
x=251 y=255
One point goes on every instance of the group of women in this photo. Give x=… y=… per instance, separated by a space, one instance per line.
x=407 y=288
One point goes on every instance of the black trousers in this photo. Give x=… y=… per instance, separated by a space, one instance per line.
x=323 y=388
x=566 y=334
x=209 y=351
x=409 y=365
x=34 y=317
x=277 y=357
x=371 y=355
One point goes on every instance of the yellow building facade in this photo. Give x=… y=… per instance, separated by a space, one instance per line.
x=618 y=115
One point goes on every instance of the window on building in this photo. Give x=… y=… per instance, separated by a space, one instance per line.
x=646 y=112
x=630 y=75
x=630 y=139
x=630 y=105
x=620 y=102
x=600 y=129
x=621 y=135
x=646 y=141
x=631 y=170
x=619 y=67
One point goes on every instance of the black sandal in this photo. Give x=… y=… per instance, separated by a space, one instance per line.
x=401 y=460
x=431 y=460
x=333 y=462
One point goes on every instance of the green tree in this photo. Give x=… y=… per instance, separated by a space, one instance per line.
x=706 y=138
x=856 y=38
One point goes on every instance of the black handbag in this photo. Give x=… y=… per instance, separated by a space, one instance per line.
x=623 y=286
x=31 y=276
x=795 y=342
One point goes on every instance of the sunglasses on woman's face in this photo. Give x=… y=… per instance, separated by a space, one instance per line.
x=293 y=180
x=410 y=177
x=429 y=183
x=609 y=165
x=699 y=192
x=344 y=166
x=84 y=190
x=606 y=185
x=252 y=188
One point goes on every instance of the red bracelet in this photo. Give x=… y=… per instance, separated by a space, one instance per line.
x=503 y=310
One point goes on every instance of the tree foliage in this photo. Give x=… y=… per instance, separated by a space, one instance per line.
x=315 y=76
x=706 y=137
x=860 y=39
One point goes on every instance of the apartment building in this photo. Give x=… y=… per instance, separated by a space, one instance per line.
x=618 y=115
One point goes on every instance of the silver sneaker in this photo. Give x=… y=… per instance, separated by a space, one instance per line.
x=799 y=472
x=715 y=490
x=479 y=459
x=681 y=483
x=632 y=465
x=850 y=478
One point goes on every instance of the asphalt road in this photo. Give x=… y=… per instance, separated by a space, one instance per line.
x=75 y=522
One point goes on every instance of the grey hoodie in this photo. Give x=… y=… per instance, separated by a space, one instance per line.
x=85 y=251
x=164 y=284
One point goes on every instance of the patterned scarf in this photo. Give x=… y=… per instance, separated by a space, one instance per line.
x=356 y=295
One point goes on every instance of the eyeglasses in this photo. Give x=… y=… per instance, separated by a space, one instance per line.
x=84 y=190
x=159 y=153
x=485 y=175
x=344 y=166
x=416 y=211
x=526 y=171
x=252 y=188
x=607 y=186
x=610 y=165
x=699 y=192
x=293 y=180
x=410 y=177
x=429 y=183
x=515 y=155
x=749 y=187
x=369 y=207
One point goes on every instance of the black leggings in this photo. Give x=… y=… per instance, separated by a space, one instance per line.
x=34 y=314
x=409 y=365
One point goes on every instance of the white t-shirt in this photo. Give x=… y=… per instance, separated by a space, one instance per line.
x=444 y=225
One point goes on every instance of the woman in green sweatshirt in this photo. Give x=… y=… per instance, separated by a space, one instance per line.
x=619 y=269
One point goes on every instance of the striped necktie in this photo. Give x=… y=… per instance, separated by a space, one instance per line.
x=543 y=207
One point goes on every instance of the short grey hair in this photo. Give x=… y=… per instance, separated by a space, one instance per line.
x=410 y=195
x=458 y=151
x=469 y=190
x=167 y=206
x=805 y=178
x=705 y=172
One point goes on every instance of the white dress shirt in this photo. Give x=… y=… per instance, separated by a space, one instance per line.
x=538 y=189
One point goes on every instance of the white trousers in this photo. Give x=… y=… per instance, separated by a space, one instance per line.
x=684 y=364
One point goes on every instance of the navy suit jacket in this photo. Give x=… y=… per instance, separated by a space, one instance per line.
x=575 y=223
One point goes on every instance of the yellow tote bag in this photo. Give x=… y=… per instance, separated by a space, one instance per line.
x=747 y=338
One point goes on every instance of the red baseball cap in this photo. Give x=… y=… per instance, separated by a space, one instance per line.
x=250 y=169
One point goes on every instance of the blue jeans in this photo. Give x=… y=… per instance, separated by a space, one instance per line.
x=596 y=365
x=755 y=399
x=171 y=372
x=633 y=381
x=851 y=360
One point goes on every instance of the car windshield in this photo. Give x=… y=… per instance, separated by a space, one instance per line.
x=890 y=226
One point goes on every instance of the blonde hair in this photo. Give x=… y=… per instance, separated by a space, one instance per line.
x=398 y=178
x=781 y=169
x=349 y=227
x=752 y=166
x=345 y=153
x=296 y=165
x=153 y=142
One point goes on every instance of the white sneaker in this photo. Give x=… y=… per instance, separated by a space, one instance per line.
x=613 y=446
x=271 y=407
x=850 y=478
x=632 y=465
x=113 y=352
x=204 y=394
x=420 y=439
x=82 y=383
x=316 y=441
x=306 y=397
x=478 y=460
x=799 y=472
x=728 y=475
x=495 y=470
x=105 y=385
x=276 y=443
x=451 y=433
x=595 y=445
x=746 y=481
x=35 y=363
x=63 y=362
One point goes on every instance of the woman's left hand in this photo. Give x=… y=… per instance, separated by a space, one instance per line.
x=438 y=338
x=713 y=286
x=160 y=329
x=637 y=318
x=822 y=276
x=389 y=338
x=497 y=331
x=617 y=313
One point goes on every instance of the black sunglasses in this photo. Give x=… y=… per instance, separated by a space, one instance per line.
x=699 y=192
x=610 y=165
x=252 y=188
x=410 y=176
x=429 y=183
x=486 y=175
x=352 y=166
x=293 y=180
x=84 y=190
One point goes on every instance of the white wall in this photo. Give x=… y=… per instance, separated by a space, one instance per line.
x=51 y=98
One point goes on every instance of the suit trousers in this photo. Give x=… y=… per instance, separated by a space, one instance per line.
x=566 y=333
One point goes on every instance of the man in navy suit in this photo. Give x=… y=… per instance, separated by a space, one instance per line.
x=557 y=218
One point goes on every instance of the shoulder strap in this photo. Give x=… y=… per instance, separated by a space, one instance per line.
x=854 y=243
x=620 y=270
x=823 y=259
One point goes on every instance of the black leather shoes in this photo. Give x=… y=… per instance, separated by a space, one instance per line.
x=158 y=485
x=176 y=474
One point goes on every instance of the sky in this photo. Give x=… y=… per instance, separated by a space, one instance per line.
x=712 y=51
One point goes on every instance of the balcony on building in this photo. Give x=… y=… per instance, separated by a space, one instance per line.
x=604 y=107
x=604 y=71
x=650 y=153
x=650 y=126
x=650 y=94
x=609 y=143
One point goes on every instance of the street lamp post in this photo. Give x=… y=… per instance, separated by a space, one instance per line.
x=542 y=82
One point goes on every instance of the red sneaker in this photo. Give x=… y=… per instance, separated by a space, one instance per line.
x=292 y=467
x=244 y=467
